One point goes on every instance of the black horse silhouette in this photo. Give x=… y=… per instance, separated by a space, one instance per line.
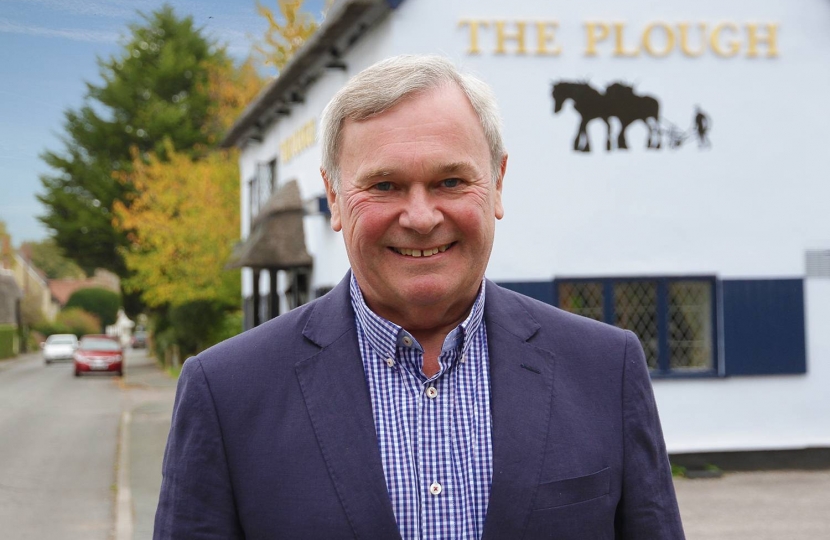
x=619 y=100
x=590 y=103
x=629 y=107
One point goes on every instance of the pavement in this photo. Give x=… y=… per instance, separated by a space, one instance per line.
x=768 y=505
x=145 y=424
x=764 y=505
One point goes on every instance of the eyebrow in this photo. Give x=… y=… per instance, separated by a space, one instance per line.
x=376 y=173
x=447 y=168
x=455 y=167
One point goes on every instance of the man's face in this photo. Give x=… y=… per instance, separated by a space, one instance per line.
x=417 y=203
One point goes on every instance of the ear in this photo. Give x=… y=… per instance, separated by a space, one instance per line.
x=331 y=196
x=499 y=183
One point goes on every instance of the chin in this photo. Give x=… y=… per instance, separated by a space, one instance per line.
x=429 y=290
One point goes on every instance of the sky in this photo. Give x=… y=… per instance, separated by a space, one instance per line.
x=49 y=50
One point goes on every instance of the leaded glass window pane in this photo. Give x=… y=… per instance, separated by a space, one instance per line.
x=690 y=325
x=265 y=174
x=582 y=298
x=635 y=309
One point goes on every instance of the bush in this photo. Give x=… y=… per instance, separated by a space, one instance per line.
x=193 y=327
x=195 y=323
x=48 y=328
x=232 y=324
x=74 y=321
x=102 y=303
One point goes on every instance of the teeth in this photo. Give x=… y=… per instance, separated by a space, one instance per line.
x=423 y=252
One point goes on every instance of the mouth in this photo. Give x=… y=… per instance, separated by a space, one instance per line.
x=429 y=252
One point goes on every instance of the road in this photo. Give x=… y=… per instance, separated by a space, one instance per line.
x=58 y=456
x=58 y=444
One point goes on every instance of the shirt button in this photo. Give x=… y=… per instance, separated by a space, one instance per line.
x=407 y=341
x=435 y=488
x=463 y=358
x=390 y=362
x=431 y=393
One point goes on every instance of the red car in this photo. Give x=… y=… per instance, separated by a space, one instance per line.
x=99 y=353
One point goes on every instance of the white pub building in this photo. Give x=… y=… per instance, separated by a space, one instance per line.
x=669 y=173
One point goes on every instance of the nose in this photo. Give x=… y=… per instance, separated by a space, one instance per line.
x=421 y=213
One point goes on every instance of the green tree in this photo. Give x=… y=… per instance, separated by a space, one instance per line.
x=102 y=303
x=48 y=257
x=156 y=90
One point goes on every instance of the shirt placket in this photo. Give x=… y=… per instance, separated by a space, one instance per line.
x=437 y=487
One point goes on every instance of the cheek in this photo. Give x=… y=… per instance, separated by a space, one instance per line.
x=474 y=217
x=366 y=223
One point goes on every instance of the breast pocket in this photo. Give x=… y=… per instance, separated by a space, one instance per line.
x=573 y=490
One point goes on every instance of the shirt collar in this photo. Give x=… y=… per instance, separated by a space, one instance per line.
x=385 y=336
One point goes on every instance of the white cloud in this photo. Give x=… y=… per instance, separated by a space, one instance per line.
x=79 y=34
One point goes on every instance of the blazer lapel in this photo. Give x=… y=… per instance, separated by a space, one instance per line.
x=521 y=388
x=340 y=408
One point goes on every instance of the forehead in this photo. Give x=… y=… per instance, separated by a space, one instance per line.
x=438 y=125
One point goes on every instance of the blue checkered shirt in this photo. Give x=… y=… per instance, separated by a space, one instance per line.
x=434 y=433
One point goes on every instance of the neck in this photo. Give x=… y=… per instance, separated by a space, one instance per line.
x=428 y=324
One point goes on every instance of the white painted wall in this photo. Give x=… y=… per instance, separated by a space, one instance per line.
x=748 y=207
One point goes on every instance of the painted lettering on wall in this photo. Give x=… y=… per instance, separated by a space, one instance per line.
x=298 y=141
x=655 y=39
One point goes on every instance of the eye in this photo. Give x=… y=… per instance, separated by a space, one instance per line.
x=383 y=186
x=451 y=182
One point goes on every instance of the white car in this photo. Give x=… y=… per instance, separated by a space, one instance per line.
x=59 y=347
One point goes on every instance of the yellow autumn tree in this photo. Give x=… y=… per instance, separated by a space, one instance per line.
x=285 y=34
x=182 y=222
x=183 y=216
x=230 y=90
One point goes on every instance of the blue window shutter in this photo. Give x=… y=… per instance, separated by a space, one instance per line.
x=540 y=290
x=763 y=327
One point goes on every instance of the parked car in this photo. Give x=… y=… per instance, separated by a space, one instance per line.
x=59 y=347
x=99 y=353
x=139 y=340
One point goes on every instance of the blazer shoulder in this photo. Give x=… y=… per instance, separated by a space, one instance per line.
x=556 y=328
x=547 y=315
x=279 y=339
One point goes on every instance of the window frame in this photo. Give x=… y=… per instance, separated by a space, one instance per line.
x=664 y=369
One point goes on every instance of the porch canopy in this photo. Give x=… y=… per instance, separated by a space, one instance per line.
x=276 y=242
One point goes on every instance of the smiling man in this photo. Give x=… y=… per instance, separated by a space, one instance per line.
x=418 y=400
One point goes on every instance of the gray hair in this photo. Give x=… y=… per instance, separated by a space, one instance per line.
x=381 y=86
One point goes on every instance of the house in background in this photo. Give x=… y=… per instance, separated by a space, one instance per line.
x=62 y=289
x=10 y=297
x=35 y=285
x=690 y=207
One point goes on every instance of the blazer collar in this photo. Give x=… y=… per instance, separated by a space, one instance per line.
x=521 y=389
x=332 y=315
x=340 y=408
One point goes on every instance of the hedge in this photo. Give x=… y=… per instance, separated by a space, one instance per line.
x=8 y=341
x=102 y=303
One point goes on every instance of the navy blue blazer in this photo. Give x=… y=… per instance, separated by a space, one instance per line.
x=273 y=434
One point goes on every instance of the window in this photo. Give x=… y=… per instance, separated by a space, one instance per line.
x=673 y=317
x=262 y=186
x=265 y=173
